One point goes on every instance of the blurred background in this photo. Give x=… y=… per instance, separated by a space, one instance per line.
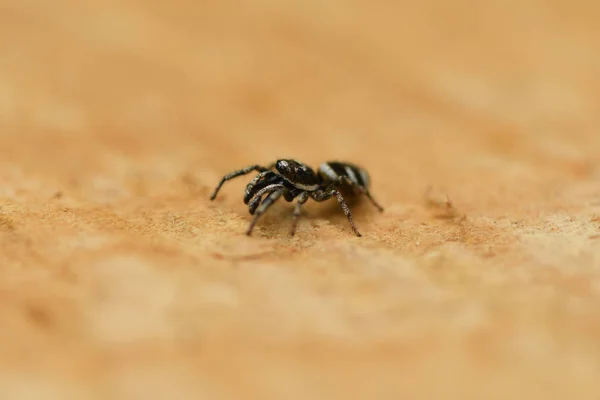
x=118 y=118
x=427 y=87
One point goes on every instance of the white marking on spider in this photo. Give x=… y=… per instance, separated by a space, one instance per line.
x=365 y=177
x=328 y=171
x=309 y=188
x=350 y=172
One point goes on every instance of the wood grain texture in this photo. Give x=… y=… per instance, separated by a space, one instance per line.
x=477 y=120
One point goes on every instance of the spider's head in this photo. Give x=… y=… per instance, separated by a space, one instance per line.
x=299 y=174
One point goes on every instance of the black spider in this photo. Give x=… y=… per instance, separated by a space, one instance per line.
x=291 y=179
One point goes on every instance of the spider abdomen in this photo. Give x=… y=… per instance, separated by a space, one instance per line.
x=332 y=171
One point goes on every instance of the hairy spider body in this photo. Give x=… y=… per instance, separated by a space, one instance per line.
x=350 y=177
x=295 y=180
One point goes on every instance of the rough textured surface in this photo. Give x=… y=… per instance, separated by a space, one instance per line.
x=120 y=280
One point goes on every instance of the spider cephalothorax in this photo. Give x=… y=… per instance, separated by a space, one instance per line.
x=293 y=179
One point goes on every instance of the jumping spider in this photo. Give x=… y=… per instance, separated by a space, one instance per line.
x=293 y=179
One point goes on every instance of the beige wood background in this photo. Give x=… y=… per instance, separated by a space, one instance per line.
x=120 y=280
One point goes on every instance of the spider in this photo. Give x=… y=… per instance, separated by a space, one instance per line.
x=293 y=179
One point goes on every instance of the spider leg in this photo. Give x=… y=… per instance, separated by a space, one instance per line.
x=253 y=204
x=271 y=198
x=237 y=173
x=325 y=195
x=375 y=203
x=301 y=200
x=252 y=186
x=345 y=179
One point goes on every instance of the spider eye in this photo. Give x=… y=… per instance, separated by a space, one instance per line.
x=282 y=166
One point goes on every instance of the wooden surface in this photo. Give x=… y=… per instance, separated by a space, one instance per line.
x=478 y=122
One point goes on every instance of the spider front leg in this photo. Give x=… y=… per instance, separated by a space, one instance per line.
x=344 y=179
x=301 y=200
x=240 y=172
x=254 y=185
x=253 y=204
x=325 y=195
x=271 y=198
